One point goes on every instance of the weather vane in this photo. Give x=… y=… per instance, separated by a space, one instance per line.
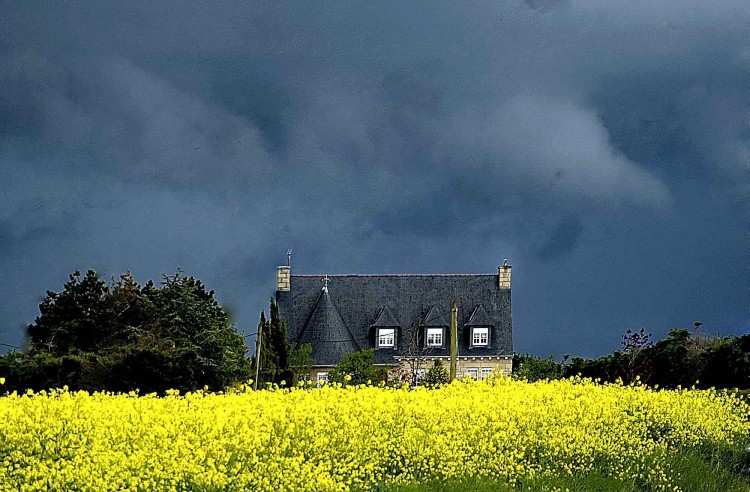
x=289 y=257
x=325 y=283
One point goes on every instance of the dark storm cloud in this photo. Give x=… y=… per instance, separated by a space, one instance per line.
x=561 y=240
x=389 y=137
x=545 y=4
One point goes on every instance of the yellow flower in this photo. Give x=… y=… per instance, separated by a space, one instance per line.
x=509 y=430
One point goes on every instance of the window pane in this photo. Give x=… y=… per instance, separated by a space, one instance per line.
x=473 y=373
x=434 y=337
x=322 y=377
x=486 y=372
x=480 y=336
x=386 y=337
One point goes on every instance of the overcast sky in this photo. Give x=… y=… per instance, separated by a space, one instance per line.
x=602 y=146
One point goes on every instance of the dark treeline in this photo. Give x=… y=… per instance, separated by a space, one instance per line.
x=682 y=359
x=123 y=336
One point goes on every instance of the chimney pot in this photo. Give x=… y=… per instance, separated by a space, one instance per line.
x=503 y=276
x=283 y=278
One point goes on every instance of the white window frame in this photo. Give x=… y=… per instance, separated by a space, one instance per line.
x=434 y=337
x=472 y=373
x=383 y=334
x=487 y=372
x=322 y=378
x=476 y=336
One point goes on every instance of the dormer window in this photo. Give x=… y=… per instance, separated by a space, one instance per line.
x=480 y=337
x=434 y=337
x=386 y=337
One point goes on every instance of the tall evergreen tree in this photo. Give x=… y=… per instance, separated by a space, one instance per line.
x=275 y=348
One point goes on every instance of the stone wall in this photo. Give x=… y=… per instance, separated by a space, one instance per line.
x=502 y=364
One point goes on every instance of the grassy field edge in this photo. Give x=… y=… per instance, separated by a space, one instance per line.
x=690 y=471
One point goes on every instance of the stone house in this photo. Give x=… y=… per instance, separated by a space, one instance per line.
x=402 y=317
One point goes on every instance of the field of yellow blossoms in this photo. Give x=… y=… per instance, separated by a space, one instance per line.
x=334 y=438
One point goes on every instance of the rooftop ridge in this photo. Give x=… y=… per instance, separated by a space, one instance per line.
x=398 y=275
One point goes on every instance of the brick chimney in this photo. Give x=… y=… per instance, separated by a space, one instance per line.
x=283 y=278
x=503 y=275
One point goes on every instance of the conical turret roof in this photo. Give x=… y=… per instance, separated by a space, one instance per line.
x=327 y=332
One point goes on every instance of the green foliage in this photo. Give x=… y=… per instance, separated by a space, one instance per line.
x=677 y=360
x=691 y=471
x=76 y=319
x=727 y=364
x=300 y=362
x=681 y=359
x=436 y=375
x=280 y=361
x=275 y=348
x=123 y=336
x=360 y=366
x=534 y=368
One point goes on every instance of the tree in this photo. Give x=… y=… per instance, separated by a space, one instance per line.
x=676 y=360
x=360 y=366
x=72 y=320
x=275 y=348
x=436 y=375
x=635 y=357
x=727 y=364
x=123 y=336
x=278 y=343
x=415 y=356
x=300 y=362
x=534 y=368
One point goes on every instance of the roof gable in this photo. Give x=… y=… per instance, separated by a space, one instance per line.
x=386 y=318
x=434 y=318
x=480 y=317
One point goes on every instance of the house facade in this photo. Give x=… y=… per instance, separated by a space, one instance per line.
x=404 y=318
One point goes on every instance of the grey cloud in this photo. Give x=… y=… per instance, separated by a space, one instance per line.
x=563 y=150
x=544 y=5
x=388 y=137
x=561 y=240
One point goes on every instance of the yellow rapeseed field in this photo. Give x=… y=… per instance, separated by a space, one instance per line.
x=333 y=438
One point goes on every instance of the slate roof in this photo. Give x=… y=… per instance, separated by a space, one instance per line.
x=327 y=332
x=480 y=317
x=386 y=318
x=346 y=316
x=434 y=318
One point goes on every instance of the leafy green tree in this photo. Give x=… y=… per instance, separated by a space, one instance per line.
x=360 y=366
x=436 y=375
x=300 y=362
x=72 y=320
x=123 y=336
x=727 y=364
x=677 y=360
x=535 y=368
